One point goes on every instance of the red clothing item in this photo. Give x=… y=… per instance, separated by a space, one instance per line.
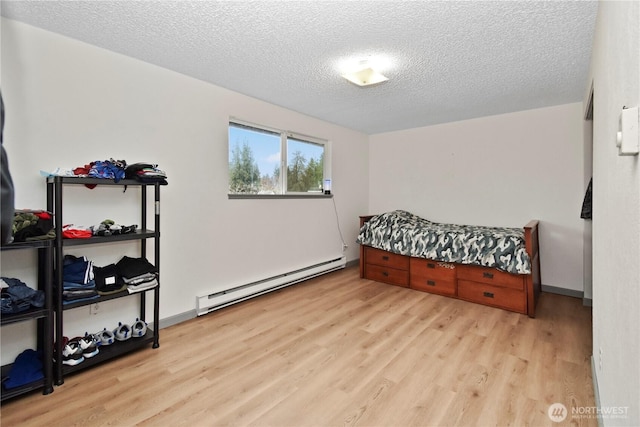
x=84 y=170
x=71 y=231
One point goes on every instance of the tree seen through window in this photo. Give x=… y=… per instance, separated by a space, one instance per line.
x=255 y=162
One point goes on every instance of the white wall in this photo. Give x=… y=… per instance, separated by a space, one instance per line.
x=499 y=171
x=615 y=67
x=69 y=103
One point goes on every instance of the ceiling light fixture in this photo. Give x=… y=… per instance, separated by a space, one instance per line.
x=363 y=74
x=365 y=77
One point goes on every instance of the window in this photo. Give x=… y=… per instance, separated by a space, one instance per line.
x=257 y=155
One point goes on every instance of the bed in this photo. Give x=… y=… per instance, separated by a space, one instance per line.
x=494 y=266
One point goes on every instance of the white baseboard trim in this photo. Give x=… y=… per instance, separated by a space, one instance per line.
x=563 y=291
x=178 y=318
x=353 y=263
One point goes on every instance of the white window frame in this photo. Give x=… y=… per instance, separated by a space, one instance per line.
x=282 y=184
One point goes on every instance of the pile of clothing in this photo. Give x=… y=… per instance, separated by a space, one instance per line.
x=107 y=169
x=78 y=282
x=109 y=227
x=137 y=273
x=30 y=225
x=27 y=368
x=18 y=297
x=83 y=281
x=72 y=231
x=108 y=281
x=115 y=170
x=145 y=172
x=106 y=228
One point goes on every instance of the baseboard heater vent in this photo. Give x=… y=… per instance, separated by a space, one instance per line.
x=214 y=301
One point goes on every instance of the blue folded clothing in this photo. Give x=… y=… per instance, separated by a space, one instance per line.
x=73 y=285
x=11 y=305
x=18 y=297
x=77 y=269
x=26 y=369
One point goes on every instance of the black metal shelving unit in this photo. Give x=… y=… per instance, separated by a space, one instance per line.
x=55 y=187
x=43 y=316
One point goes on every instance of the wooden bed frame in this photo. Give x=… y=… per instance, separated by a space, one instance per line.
x=483 y=285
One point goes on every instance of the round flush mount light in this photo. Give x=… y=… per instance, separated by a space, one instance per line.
x=365 y=71
x=365 y=77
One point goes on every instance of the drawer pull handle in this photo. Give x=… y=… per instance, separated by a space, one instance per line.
x=431 y=265
x=487 y=275
x=385 y=274
x=431 y=283
x=385 y=258
x=488 y=294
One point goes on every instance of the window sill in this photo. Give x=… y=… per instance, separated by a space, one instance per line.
x=281 y=196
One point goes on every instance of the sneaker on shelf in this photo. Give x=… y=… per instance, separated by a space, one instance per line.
x=89 y=345
x=139 y=328
x=105 y=337
x=122 y=332
x=96 y=339
x=71 y=352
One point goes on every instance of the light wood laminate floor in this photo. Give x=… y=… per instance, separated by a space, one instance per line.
x=339 y=350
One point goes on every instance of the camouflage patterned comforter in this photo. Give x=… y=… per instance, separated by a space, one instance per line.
x=406 y=234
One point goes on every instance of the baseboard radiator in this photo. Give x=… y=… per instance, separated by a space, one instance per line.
x=214 y=301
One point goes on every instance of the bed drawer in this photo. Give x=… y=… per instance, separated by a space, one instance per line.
x=384 y=258
x=393 y=276
x=490 y=276
x=432 y=276
x=435 y=286
x=430 y=269
x=497 y=296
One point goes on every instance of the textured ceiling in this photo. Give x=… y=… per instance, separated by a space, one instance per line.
x=447 y=60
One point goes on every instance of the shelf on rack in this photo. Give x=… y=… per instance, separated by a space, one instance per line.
x=102 y=298
x=99 y=181
x=146 y=238
x=43 y=316
x=107 y=352
x=137 y=235
x=32 y=244
x=38 y=385
x=32 y=313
